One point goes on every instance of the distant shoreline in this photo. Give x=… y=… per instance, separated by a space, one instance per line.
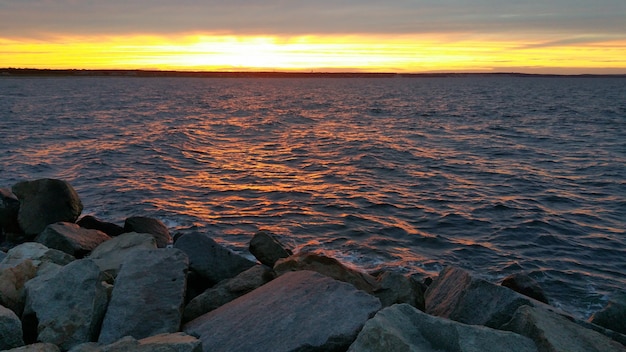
x=29 y=72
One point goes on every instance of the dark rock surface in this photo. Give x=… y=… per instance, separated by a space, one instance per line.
x=10 y=329
x=210 y=260
x=93 y=223
x=152 y=226
x=36 y=347
x=9 y=209
x=402 y=327
x=525 y=285
x=613 y=315
x=65 y=308
x=110 y=255
x=226 y=291
x=396 y=288
x=44 y=202
x=328 y=266
x=267 y=249
x=175 y=342
x=148 y=295
x=299 y=311
x=555 y=333
x=71 y=238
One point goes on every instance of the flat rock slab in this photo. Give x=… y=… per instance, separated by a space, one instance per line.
x=402 y=327
x=111 y=254
x=555 y=333
x=299 y=311
x=148 y=295
x=176 y=342
x=71 y=238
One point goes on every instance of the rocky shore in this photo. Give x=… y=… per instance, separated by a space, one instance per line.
x=84 y=285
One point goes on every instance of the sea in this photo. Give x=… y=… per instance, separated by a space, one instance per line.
x=497 y=174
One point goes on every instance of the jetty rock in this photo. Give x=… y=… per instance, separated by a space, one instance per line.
x=267 y=249
x=44 y=202
x=155 y=227
x=71 y=238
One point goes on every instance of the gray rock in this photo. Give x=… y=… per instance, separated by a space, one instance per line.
x=176 y=342
x=613 y=315
x=525 y=285
x=37 y=347
x=396 y=288
x=44 y=202
x=328 y=266
x=299 y=311
x=93 y=223
x=71 y=238
x=210 y=260
x=66 y=307
x=555 y=333
x=10 y=329
x=111 y=254
x=456 y=295
x=9 y=210
x=12 y=281
x=267 y=249
x=402 y=327
x=152 y=226
x=148 y=295
x=35 y=252
x=226 y=291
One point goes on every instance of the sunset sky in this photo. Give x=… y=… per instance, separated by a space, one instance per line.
x=534 y=36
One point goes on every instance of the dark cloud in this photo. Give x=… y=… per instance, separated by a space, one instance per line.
x=32 y=18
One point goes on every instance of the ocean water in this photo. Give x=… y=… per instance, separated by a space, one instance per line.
x=495 y=174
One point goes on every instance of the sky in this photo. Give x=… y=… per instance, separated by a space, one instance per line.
x=546 y=36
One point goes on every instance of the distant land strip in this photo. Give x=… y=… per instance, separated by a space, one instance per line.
x=4 y=72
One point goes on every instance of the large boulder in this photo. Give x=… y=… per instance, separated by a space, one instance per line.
x=71 y=238
x=328 y=266
x=397 y=288
x=9 y=210
x=44 y=202
x=93 y=223
x=10 y=329
x=12 y=282
x=66 y=307
x=299 y=311
x=155 y=227
x=525 y=285
x=555 y=333
x=35 y=252
x=613 y=315
x=176 y=342
x=210 y=260
x=148 y=295
x=110 y=255
x=226 y=291
x=402 y=327
x=456 y=295
x=267 y=249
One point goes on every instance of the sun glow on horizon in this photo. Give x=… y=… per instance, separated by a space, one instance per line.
x=349 y=53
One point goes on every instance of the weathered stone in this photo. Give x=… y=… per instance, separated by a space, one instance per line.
x=299 y=311
x=327 y=266
x=93 y=223
x=111 y=254
x=10 y=329
x=44 y=202
x=9 y=210
x=226 y=291
x=35 y=252
x=71 y=238
x=12 y=281
x=176 y=342
x=525 y=285
x=152 y=226
x=456 y=295
x=397 y=288
x=2 y=256
x=555 y=333
x=402 y=327
x=613 y=315
x=148 y=295
x=36 y=347
x=209 y=259
x=66 y=307
x=267 y=249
